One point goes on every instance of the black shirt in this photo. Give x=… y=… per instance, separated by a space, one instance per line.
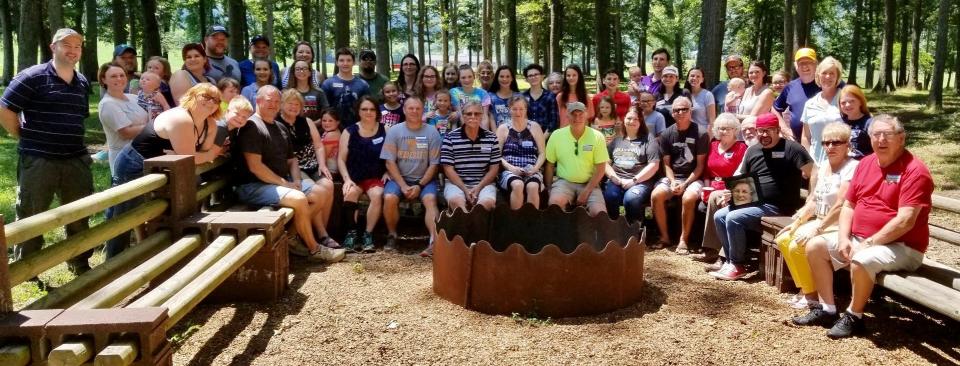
x=683 y=147
x=271 y=141
x=777 y=170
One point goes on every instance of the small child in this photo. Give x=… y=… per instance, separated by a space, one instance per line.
x=635 y=86
x=735 y=89
x=391 y=111
x=607 y=120
x=149 y=97
x=442 y=117
x=330 y=137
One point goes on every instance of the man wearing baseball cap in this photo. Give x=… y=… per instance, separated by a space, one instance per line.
x=221 y=65
x=777 y=167
x=791 y=101
x=375 y=80
x=578 y=156
x=734 y=65
x=259 y=50
x=53 y=159
x=126 y=56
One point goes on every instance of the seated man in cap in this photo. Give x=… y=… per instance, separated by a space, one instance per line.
x=577 y=155
x=259 y=50
x=778 y=166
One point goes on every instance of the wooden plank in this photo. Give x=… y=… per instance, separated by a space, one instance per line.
x=211 y=254
x=944 y=235
x=71 y=353
x=923 y=291
x=186 y=299
x=946 y=203
x=209 y=187
x=15 y=355
x=118 y=354
x=46 y=258
x=107 y=271
x=211 y=165
x=6 y=296
x=114 y=292
x=22 y=230
x=940 y=273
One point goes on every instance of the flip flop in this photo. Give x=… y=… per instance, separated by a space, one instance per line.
x=682 y=249
x=660 y=244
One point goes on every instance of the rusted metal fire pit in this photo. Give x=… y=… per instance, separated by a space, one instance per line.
x=546 y=263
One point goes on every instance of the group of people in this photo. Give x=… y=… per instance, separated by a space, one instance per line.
x=739 y=151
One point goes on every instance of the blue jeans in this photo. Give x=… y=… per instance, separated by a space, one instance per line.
x=732 y=226
x=127 y=167
x=633 y=199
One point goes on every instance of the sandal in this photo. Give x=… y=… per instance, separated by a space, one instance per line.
x=682 y=249
x=660 y=244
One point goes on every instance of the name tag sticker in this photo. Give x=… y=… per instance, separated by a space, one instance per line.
x=691 y=140
x=377 y=140
x=485 y=149
x=679 y=144
x=777 y=154
x=892 y=178
x=728 y=155
x=526 y=143
x=384 y=112
x=337 y=85
x=587 y=147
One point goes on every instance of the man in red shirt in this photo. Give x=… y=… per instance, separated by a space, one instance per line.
x=882 y=227
x=611 y=84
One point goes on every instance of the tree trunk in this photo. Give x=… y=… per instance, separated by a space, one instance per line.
x=498 y=31
x=370 y=36
x=535 y=43
x=455 y=33
x=27 y=37
x=341 y=30
x=935 y=101
x=956 y=62
x=422 y=29
x=88 y=59
x=118 y=12
x=322 y=57
x=55 y=14
x=556 y=33
x=46 y=54
x=712 y=23
x=788 y=35
x=410 y=19
x=486 y=41
x=358 y=23
x=871 y=43
x=268 y=25
x=642 y=40
x=915 y=45
x=801 y=23
x=445 y=30
x=855 y=45
x=885 y=84
x=6 y=23
x=618 y=61
x=510 y=8
x=601 y=23
x=306 y=13
x=132 y=17
x=202 y=16
x=151 y=30
x=677 y=43
x=904 y=39
x=236 y=14
x=382 y=12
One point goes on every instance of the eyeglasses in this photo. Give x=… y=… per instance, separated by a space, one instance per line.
x=429 y=76
x=834 y=143
x=768 y=130
x=301 y=69
x=680 y=110
x=885 y=134
x=472 y=114
x=533 y=75
x=726 y=129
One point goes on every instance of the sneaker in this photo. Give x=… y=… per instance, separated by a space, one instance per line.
x=391 y=244
x=730 y=272
x=327 y=255
x=296 y=247
x=329 y=243
x=367 y=239
x=816 y=316
x=350 y=241
x=846 y=326
x=715 y=266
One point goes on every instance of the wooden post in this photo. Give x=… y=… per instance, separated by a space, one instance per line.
x=6 y=300
x=181 y=188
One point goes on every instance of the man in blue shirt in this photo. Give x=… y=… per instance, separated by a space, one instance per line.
x=44 y=107
x=791 y=101
x=344 y=89
x=259 y=50
x=734 y=66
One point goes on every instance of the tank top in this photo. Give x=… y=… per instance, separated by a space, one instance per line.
x=363 y=161
x=750 y=101
x=149 y=144
x=519 y=148
x=302 y=143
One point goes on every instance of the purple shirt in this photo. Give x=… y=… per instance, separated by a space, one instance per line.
x=794 y=96
x=653 y=86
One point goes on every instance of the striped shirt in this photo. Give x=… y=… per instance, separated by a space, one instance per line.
x=52 y=111
x=470 y=158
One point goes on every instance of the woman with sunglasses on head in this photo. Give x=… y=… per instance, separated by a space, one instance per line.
x=195 y=66
x=303 y=51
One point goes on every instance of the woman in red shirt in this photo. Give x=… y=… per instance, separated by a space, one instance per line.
x=726 y=153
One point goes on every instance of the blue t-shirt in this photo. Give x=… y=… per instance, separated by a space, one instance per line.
x=500 y=109
x=442 y=123
x=720 y=94
x=795 y=96
x=343 y=95
x=247 y=76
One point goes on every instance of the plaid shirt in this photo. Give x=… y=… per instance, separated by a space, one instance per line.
x=543 y=110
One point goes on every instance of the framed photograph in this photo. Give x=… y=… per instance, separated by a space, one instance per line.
x=745 y=191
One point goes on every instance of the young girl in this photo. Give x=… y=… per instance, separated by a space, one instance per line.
x=466 y=92
x=607 y=121
x=229 y=88
x=391 y=111
x=503 y=88
x=442 y=117
x=161 y=67
x=330 y=137
x=653 y=119
x=574 y=90
x=264 y=73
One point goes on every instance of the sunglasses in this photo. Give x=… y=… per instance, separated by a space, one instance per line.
x=472 y=113
x=576 y=147
x=834 y=143
x=680 y=110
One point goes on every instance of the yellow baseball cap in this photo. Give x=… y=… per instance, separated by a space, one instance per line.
x=805 y=53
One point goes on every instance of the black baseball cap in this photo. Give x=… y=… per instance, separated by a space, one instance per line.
x=259 y=38
x=368 y=55
x=216 y=28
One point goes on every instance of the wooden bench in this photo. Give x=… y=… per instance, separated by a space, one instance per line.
x=934 y=285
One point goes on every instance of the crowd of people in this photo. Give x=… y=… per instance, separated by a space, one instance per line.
x=739 y=150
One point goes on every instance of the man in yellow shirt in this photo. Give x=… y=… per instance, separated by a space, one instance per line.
x=577 y=155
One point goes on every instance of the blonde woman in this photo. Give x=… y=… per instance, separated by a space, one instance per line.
x=822 y=109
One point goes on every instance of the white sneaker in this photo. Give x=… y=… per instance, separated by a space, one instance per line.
x=327 y=255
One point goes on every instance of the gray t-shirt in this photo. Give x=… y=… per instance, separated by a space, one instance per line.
x=655 y=124
x=413 y=151
x=221 y=67
x=701 y=102
x=116 y=114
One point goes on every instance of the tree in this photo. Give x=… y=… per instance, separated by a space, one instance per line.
x=915 y=46
x=935 y=101
x=904 y=39
x=712 y=22
x=88 y=60
x=485 y=36
x=202 y=15
x=321 y=58
x=132 y=17
x=341 y=27
x=788 y=40
x=6 y=23
x=602 y=33
x=855 y=45
x=618 y=61
x=151 y=30
x=642 y=38
x=267 y=27
x=421 y=28
x=556 y=33
x=383 y=42
x=885 y=84
x=27 y=37
x=55 y=14
x=306 y=15
x=510 y=8
x=410 y=19
x=237 y=15
x=445 y=30
x=118 y=11
x=802 y=22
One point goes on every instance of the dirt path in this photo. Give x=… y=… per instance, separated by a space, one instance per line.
x=340 y=315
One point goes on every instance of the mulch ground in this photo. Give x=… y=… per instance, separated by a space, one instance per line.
x=380 y=309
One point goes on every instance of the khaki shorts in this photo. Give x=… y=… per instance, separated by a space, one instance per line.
x=894 y=256
x=570 y=191
x=488 y=192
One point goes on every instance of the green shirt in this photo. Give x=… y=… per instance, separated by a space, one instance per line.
x=376 y=84
x=577 y=165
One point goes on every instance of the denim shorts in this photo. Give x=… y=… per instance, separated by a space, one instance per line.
x=263 y=194
x=392 y=188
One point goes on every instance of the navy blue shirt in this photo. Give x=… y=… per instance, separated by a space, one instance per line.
x=247 y=76
x=52 y=111
x=859 y=139
x=795 y=96
x=544 y=110
x=343 y=95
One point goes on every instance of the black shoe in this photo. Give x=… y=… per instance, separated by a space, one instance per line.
x=816 y=316
x=367 y=239
x=391 y=244
x=846 y=326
